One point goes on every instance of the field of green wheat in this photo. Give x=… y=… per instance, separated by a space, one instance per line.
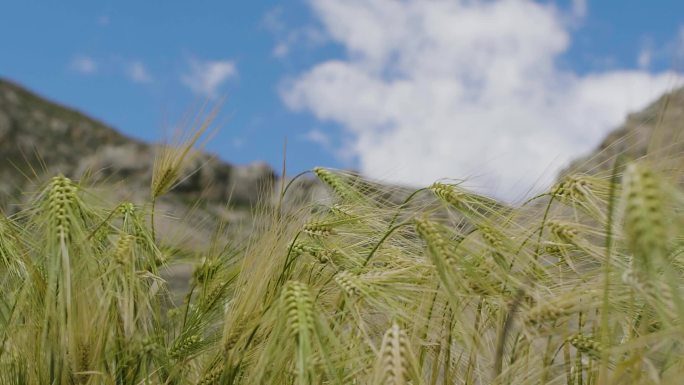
x=578 y=285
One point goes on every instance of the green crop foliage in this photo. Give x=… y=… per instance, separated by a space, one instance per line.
x=581 y=285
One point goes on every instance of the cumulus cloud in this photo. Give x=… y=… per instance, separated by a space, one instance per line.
x=206 y=77
x=137 y=72
x=318 y=137
x=463 y=89
x=679 y=45
x=287 y=38
x=645 y=57
x=83 y=64
x=579 y=8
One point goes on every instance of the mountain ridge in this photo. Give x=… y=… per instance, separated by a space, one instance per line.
x=36 y=133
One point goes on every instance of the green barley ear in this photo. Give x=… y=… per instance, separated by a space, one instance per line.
x=9 y=250
x=644 y=215
x=134 y=224
x=442 y=255
x=589 y=193
x=586 y=344
x=300 y=318
x=475 y=207
x=498 y=243
x=494 y=238
x=396 y=363
x=563 y=231
x=64 y=217
x=547 y=313
x=340 y=186
x=299 y=305
x=349 y=283
x=451 y=194
x=185 y=346
x=170 y=160
x=62 y=205
x=212 y=376
x=436 y=242
x=123 y=250
x=318 y=229
x=65 y=261
x=575 y=188
x=300 y=247
x=326 y=255
x=206 y=270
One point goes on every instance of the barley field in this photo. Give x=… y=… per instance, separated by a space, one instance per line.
x=581 y=284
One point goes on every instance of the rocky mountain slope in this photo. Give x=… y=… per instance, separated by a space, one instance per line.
x=657 y=130
x=41 y=135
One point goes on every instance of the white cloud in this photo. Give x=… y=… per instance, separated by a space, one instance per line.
x=301 y=37
x=679 y=45
x=206 y=77
x=579 y=8
x=318 y=137
x=281 y=49
x=83 y=64
x=288 y=38
x=273 y=20
x=238 y=142
x=645 y=57
x=464 y=89
x=137 y=72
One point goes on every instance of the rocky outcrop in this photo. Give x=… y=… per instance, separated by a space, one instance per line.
x=657 y=130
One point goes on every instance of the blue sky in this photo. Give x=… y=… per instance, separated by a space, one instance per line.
x=407 y=91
